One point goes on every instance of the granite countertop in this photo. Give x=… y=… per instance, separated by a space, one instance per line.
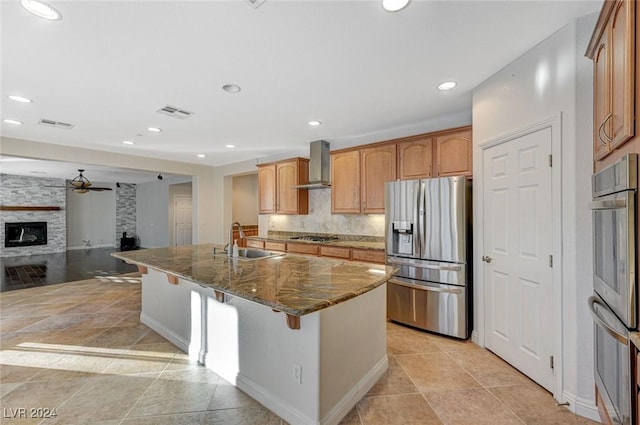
x=357 y=244
x=294 y=284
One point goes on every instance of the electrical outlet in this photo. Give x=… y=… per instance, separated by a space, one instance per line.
x=297 y=373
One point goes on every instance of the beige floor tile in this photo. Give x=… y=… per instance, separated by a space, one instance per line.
x=10 y=374
x=352 y=418
x=104 y=398
x=409 y=341
x=119 y=337
x=403 y=409
x=43 y=394
x=539 y=408
x=26 y=355
x=172 y=396
x=436 y=372
x=131 y=364
x=471 y=407
x=255 y=415
x=151 y=338
x=453 y=345
x=164 y=350
x=16 y=310
x=55 y=323
x=99 y=320
x=226 y=396
x=488 y=369
x=62 y=375
x=394 y=381
x=6 y=388
x=13 y=339
x=74 y=336
x=198 y=374
x=15 y=324
x=85 y=362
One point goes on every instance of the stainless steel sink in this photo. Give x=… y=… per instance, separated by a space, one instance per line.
x=250 y=254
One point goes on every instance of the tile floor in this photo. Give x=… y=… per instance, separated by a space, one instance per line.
x=80 y=349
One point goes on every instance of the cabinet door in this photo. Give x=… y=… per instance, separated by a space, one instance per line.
x=267 y=189
x=378 y=166
x=622 y=45
x=345 y=182
x=601 y=100
x=453 y=154
x=287 y=199
x=415 y=159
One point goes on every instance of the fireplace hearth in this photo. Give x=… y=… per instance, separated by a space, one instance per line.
x=25 y=234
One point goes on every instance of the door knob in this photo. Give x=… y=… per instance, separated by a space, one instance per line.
x=487 y=259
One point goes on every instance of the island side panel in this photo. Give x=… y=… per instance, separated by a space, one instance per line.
x=353 y=352
x=166 y=308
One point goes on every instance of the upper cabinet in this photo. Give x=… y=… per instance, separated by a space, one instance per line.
x=378 y=166
x=345 y=182
x=453 y=154
x=358 y=177
x=613 y=51
x=415 y=158
x=275 y=187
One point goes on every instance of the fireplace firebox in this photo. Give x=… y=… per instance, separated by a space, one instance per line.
x=25 y=234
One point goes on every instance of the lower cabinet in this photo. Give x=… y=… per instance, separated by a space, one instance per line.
x=345 y=253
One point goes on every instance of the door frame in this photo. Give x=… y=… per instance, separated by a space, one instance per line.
x=479 y=332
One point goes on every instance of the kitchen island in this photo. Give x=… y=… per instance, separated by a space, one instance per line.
x=304 y=336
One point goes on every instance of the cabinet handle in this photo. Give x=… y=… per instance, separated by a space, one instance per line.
x=603 y=132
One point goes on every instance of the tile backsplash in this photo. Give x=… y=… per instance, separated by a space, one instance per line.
x=320 y=220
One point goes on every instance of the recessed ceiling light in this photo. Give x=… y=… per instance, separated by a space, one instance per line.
x=314 y=123
x=230 y=146
x=394 y=5
x=201 y=155
x=128 y=142
x=154 y=129
x=42 y=10
x=231 y=88
x=15 y=122
x=447 y=85
x=20 y=99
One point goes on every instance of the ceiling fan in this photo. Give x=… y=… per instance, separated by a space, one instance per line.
x=80 y=184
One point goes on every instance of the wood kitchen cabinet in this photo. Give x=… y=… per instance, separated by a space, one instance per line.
x=378 y=165
x=275 y=182
x=345 y=182
x=415 y=158
x=453 y=154
x=613 y=51
x=358 y=177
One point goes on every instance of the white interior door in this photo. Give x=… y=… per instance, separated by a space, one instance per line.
x=516 y=253
x=182 y=211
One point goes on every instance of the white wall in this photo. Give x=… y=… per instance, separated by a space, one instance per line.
x=91 y=218
x=552 y=78
x=152 y=216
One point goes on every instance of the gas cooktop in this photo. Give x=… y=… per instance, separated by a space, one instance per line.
x=314 y=238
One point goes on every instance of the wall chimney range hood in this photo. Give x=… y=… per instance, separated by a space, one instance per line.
x=319 y=166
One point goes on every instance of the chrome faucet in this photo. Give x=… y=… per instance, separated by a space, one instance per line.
x=230 y=244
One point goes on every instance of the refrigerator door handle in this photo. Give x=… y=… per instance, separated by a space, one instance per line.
x=420 y=219
x=408 y=284
x=452 y=268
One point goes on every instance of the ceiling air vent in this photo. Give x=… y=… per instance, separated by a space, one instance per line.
x=255 y=3
x=57 y=124
x=175 y=112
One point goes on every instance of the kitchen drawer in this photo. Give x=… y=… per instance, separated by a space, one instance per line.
x=255 y=244
x=275 y=246
x=302 y=248
x=368 y=255
x=332 y=251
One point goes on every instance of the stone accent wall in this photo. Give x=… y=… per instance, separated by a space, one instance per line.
x=125 y=211
x=32 y=191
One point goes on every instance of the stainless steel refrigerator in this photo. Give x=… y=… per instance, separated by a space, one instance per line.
x=428 y=239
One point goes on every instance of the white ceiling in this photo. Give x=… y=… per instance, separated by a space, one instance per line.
x=107 y=66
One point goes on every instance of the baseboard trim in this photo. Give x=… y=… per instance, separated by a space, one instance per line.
x=75 y=248
x=582 y=406
x=174 y=338
x=334 y=416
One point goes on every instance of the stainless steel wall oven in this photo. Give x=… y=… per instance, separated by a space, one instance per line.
x=614 y=305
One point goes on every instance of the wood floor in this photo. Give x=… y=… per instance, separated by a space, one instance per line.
x=78 y=350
